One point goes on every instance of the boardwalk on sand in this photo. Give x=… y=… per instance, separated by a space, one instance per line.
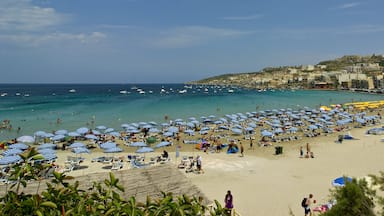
x=137 y=182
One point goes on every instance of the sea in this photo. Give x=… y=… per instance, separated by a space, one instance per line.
x=50 y=107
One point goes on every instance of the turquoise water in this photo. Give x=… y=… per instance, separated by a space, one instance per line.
x=37 y=107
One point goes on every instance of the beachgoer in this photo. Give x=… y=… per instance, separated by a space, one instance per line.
x=308 y=148
x=251 y=144
x=198 y=164
x=241 y=149
x=307 y=206
x=228 y=202
x=165 y=154
x=301 y=152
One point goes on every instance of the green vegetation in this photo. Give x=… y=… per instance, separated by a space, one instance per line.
x=63 y=198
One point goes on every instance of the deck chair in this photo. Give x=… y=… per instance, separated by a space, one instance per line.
x=117 y=165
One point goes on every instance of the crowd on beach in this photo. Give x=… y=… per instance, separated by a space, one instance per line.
x=207 y=135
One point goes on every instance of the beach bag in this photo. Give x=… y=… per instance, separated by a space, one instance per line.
x=304 y=202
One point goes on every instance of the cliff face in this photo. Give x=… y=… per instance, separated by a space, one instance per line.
x=322 y=75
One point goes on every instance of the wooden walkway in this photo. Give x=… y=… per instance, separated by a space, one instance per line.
x=140 y=183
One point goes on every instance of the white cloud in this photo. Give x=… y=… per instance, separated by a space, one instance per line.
x=22 y=15
x=24 y=24
x=194 y=35
x=38 y=39
x=349 y=5
x=250 y=17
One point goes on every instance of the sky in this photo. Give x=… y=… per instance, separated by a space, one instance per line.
x=177 y=41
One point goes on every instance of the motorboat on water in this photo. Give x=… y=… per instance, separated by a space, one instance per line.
x=72 y=90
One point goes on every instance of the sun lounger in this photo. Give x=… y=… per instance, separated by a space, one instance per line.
x=136 y=164
x=117 y=165
x=191 y=141
x=68 y=168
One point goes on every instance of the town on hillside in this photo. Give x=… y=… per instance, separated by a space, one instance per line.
x=355 y=73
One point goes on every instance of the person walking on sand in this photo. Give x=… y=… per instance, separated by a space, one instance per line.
x=241 y=149
x=307 y=205
x=198 y=164
x=228 y=202
x=301 y=152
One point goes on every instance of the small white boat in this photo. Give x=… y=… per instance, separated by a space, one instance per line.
x=123 y=92
x=230 y=90
x=26 y=95
x=183 y=91
x=4 y=94
x=18 y=94
x=72 y=90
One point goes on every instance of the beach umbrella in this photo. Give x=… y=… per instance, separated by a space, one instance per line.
x=152 y=123
x=109 y=130
x=49 y=135
x=9 y=159
x=95 y=132
x=341 y=181
x=138 y=144
x=266 y=133
x=21 y=146
x=144 y=150
x=154 y=130
x=46 y=146
x=77 y=145
x=49 y=156
x=46 y=151
x=82 y=130
x=73 y=134
x=101 y=127
x=91 y=136
x=40 y=133
x=163 y=144
x=58 y=137
x=108 y=145
x=26 y=139
x=14 y=151
x=189 y=132
x=115 y=134
x=173 y=129
x=168 y=134
x=312 y=127
x=61 y=132
x=81 y=150
x=236 y=131
x=113 y=150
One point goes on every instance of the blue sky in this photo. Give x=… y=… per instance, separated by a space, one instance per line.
x=174 y=41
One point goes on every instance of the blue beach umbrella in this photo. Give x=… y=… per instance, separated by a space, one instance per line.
x=49 y=156
x=26 y=139
x=101 y=127
x=58 y=137
x=108 y=145
x=40 y=133
x=109 y=130
x=113 y=150
x=236 y=131
x=138 y=144
x=91 y=136
x=46 y=146
x=81 y=150
x=61 y=132
x=144 y=150
x=341 y=181
x=82 y=130
x=77 y=145
x=115 y=134
x=10 y=152
x=46 y=151
x=266 y=133
x=73 y=134
x=21 y=146
x=163 y=144
x=9 y=159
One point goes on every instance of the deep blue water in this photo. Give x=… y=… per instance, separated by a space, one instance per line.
x=34 y=107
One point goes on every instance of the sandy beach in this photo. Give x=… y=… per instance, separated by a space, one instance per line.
x=267 y=184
